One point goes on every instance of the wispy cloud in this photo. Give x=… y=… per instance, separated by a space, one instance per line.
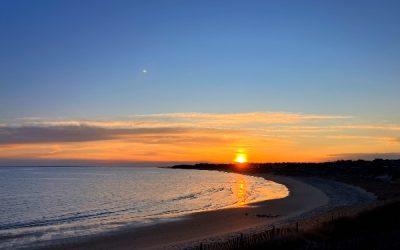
x=394 y=127
x=190 y=120
x=365 y=156
x=77 y=133
x=363 y=137
x=242 y=118
x=158 y=128
x=190 y=137
x=83 y=133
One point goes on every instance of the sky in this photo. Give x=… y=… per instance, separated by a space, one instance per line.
x=129 y=82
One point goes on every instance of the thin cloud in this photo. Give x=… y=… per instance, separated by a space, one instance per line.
x=365 y=156
x=54 y=134
x=362 y=137
x=192 y=120
x=393 y=127
x=229 y=118
x=81 y=133
x=241 y=118
x=158 y=128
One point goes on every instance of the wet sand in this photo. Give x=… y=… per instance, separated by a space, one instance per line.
x=307 y=196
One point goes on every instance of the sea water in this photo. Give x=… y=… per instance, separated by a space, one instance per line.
x=40 y=204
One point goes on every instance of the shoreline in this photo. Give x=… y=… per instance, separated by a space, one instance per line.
x=308 y=197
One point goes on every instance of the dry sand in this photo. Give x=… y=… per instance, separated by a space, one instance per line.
x=308 y=196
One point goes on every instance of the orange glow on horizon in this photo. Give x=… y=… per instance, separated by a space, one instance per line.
x=192 y=137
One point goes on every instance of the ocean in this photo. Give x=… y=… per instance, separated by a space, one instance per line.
x=42 y=204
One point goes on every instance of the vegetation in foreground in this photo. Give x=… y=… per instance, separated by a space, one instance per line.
x=375 y=229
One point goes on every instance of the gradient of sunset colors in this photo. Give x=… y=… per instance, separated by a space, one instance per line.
x=161 y=82
x=194 y=137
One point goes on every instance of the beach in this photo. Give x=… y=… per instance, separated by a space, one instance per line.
x=308 y=197
x=199 y=125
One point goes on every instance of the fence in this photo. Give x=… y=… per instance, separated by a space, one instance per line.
x=246 y=240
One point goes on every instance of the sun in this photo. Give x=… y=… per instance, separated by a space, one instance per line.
x=240 y=158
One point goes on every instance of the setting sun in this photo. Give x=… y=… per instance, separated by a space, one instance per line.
x=240 y=158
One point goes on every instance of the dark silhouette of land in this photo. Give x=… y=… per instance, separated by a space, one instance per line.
x=381 y=177
x=376 y=226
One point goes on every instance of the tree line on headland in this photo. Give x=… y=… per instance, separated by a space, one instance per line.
x=379 y=169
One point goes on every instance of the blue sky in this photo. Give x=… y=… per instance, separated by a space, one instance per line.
x=194 y=81
x=85 y=58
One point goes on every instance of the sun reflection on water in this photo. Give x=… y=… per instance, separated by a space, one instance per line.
x=246 y=190
x=240 y=190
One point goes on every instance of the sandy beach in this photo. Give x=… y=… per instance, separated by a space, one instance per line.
x=199 y=125
x=308 y=197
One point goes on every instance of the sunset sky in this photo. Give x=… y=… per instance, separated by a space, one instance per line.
x=151 y=82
